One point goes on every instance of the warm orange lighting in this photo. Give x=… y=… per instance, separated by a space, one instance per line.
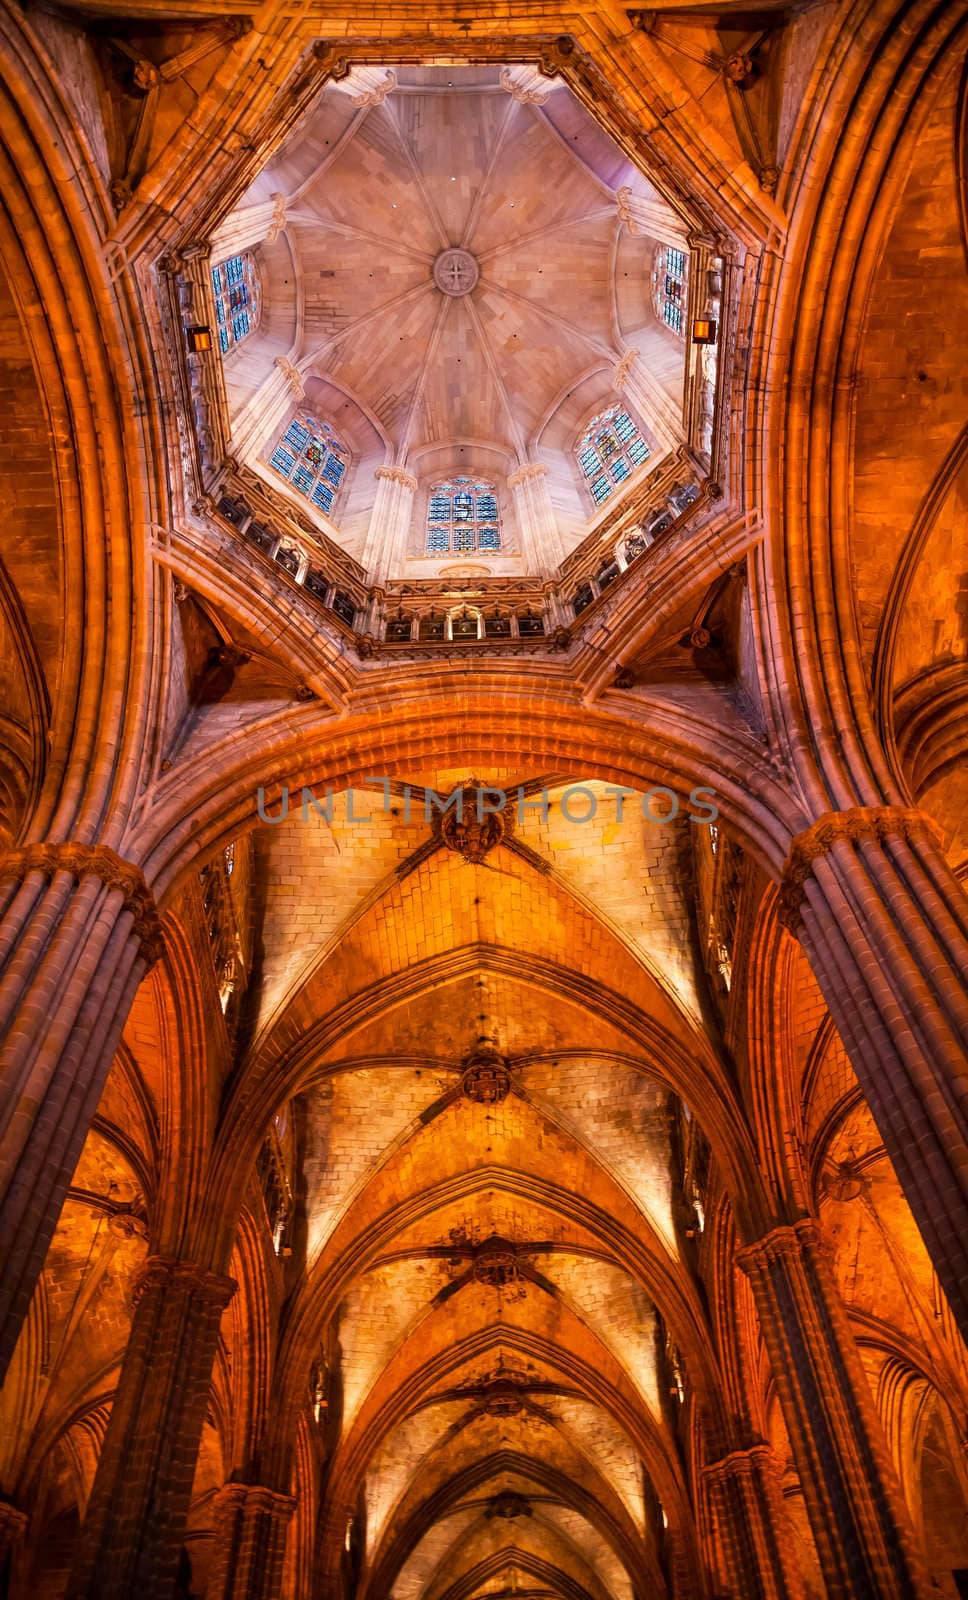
x=199 y=337
x=703 y=331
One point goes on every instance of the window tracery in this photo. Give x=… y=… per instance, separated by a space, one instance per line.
x=669 y=286
x=609 y=451
x=462 y=516
x=235 y=285
x=312 y=459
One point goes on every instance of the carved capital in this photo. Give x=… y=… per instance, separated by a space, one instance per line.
x=860 y=823
x=170 y=1276
x=527 y=84
x=527 y=474
x=83 y=860
x=406 y=480
x=378 y=90
x=623 y=370
x=246 y=1499
x=787 y=1240
x=278 y=220
x=293 y=377
x=740 y=1464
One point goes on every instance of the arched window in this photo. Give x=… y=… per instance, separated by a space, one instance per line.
x=312 y=458
x=609 y=451
x=669 y=286
x=235 y=284
x=462 y=516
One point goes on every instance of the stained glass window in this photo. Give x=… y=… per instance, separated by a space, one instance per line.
x=235 y=285
x=669 y=286
x=462 y=516
x=609 y=451
x=312 y=458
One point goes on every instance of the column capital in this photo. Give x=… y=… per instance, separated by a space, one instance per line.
x=293 y=377
x=856 y=825
x=742 y=1464
x=97 y=860
x=236 y=1497
x=170 y=1274
x=620 y=375
x=399 y=475
x=278 y=219
x=527 y=473
x=786 y=1240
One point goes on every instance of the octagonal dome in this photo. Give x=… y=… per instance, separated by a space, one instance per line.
x=452 y=319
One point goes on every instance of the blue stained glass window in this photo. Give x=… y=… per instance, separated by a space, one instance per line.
x=462 y=515
x=312 y=458
x=609 y=451
x=669 y=286
x=235 y=287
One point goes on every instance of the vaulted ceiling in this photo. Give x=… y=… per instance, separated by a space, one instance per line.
x=393 y=169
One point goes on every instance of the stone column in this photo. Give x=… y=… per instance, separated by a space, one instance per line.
x=648 y=215
x=863 y=1531
x=132 y=1535
x=752 y=1533
x=251 y=1524
x=884 y=924
x=249 y=226
x=651 y=402
x=541 y=542
x=78 y=930
x=390 y=518
x=262 y=416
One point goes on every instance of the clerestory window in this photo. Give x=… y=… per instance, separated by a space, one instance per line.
x=312 y=459
x=462 y=516
x=669 y=286
x=235 y=285
x=609 y=451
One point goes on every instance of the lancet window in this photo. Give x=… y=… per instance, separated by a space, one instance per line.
x=609 y=451
x=235 y=285
x=312 y=459
x=462 y=516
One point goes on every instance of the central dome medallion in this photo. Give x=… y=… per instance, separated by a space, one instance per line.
x=456 y=272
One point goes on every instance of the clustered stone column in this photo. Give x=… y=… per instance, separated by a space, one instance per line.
x=535 y=513
x=882 y=921
x=389 y=526
x=251 y=1523
x=133 y=1532
x=865 y=1540
x=746 y=1500
x=78 y=932
x=646 y=395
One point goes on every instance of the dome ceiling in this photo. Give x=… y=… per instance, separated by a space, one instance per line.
x=449 y=277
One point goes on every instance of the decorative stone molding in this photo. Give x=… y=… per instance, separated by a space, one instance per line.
x=485 y=1078
x=468 y=833
x=788 y=1239
x=859 y=824
x=170 y=1275
x=526 y=84
x=278 y=221
x=406 y=480
x=620 y=376
x=293 y=377
x=81 y=860
x=233 y=1497
x=377 y=87
x=742 y=1464
x=529 y=473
